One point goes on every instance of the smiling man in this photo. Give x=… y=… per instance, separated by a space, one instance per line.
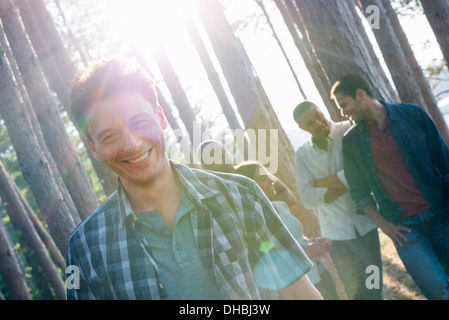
x=397 y=167
x=168 y=231
x=322 y=185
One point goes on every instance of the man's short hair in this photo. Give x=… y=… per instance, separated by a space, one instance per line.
x=103 y=79
x=300 y=109
x=248 y=168
x=348 y=85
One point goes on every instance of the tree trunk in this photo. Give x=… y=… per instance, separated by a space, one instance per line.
x=178 y=94
x=400 y=69
x=58 y=69
x=437 y=13
x=291 y=18
x=10 y=270
x=65 y=156
x=418 y=73
x=339 y=45
x=83 y=55
x=323 y=84
x=212 y=74
x=41 y=231
x=36 y=129
x=36 y=162
x=281 y=47
x=252 y=102
x=21 y=221
x=373 y=55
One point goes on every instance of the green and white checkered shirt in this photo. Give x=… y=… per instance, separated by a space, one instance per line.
x=239 y=236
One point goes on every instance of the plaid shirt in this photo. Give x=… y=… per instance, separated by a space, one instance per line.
x=234 y=225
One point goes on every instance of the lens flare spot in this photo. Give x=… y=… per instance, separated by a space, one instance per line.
x=266 y=246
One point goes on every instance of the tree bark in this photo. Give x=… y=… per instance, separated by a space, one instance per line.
x=437 y=13
x=35 y=161
x=249 y=95
x=373 y=55
x=339 y=45
x=291 y=18
x=58 y=69
x=178 y=94
x=404 y=78
x=281 y=47
x=41 y=231
x=10 y=270
x=212 y=74
x=65 y=156
x=21 y=221
x=83 y=54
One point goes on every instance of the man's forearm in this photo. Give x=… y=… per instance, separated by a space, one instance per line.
x=332 y=194
x=373 y=214
x=393 y=231
x=329 y=182
x=302 y=289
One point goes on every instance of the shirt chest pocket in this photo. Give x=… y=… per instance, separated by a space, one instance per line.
x=410 y=137
x=413 y=146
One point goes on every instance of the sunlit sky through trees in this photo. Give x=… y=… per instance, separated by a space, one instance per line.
x=145 y=23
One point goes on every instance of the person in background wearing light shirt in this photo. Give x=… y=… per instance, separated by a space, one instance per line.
x=314 y=248
x=322 y=185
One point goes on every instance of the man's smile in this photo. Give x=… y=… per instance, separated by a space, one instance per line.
x=140 y=158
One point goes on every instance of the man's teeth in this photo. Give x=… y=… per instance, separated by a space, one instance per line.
x=141 y=158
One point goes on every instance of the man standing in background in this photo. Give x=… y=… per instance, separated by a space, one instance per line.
x=322 y=185
x=397 y=167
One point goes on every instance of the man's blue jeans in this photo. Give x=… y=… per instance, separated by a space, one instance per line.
x=352 y=258
x=426 y=253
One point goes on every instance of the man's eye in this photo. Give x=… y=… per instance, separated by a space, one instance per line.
x=141 y=124
x=109 y=137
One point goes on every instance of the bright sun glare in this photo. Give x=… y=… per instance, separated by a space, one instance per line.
x=145 y=21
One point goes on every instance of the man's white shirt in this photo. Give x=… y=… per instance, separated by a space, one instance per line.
x=338 y=219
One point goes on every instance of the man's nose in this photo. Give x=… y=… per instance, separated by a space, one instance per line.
x=133 y=140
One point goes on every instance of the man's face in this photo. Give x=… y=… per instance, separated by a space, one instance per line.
x=127 y=134
x=351 y=108
x=314 y=122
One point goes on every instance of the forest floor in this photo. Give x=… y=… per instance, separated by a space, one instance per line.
x=398 y=285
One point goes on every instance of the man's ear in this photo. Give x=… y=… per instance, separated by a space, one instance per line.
x=92 y=147
x=161 y=116
x=360 y=94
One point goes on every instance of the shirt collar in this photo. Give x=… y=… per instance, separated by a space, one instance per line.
x=392 y=112
x=195 y=190
x=392 y=115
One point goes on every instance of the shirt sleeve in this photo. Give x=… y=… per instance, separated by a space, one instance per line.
x=359 y=188
x=311 y=197
x=281 y=260
x=438 y=148
x=342 y=178
x=76 y=284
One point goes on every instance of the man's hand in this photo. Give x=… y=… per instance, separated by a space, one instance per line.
x=318 y=248
x=393 y=231
x=335 y=187
x=332 y=194
x=329 y=182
